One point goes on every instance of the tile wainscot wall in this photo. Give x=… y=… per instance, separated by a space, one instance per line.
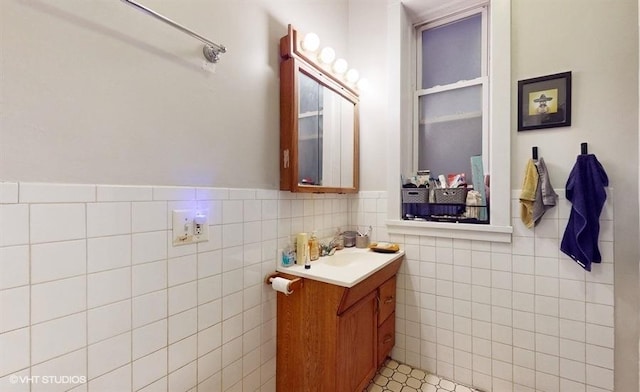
x=91 y=288
x=503 y=317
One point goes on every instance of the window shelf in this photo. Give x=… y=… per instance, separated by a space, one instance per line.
x=451 y=230
x=451 y=117
x=310 y=114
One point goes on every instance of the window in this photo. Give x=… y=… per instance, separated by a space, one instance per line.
x=405 y=27
x=451 y=98
x=451 y=95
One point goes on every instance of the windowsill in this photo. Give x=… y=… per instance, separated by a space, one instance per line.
x=451 y=230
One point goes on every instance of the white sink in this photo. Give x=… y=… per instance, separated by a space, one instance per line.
x=345 y=259
x=345 y=268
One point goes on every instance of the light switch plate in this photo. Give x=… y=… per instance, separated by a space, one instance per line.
x=188 y=229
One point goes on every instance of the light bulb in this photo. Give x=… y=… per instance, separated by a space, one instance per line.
x=340 y=66
x=327 y=55
x=352 y=75
x=311 y=42
x=363 y=84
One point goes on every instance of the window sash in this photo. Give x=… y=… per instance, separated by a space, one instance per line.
x=483 y=80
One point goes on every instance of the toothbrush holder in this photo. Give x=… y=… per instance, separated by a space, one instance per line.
x=362 y=241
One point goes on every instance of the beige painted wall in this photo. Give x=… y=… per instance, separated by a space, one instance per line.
x=368 y=50
x=598 y=41
x=98 y=92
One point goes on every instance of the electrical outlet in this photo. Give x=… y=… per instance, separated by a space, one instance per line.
x=197 y=229
x=201 y=226
x=189 y=226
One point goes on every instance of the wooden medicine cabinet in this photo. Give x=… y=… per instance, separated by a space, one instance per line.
x=318 y=125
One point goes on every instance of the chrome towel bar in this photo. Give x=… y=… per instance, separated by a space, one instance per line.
x=211 y=50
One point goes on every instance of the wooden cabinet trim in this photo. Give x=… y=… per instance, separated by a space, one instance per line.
x=387 y=299
x=355 y=293
x=386 y=338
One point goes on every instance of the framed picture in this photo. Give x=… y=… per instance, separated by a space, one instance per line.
x=544 y=102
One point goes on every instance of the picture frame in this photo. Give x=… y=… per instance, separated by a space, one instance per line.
x=544 y=102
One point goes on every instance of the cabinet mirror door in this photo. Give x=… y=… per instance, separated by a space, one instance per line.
x=325 y=136
x=319 y=130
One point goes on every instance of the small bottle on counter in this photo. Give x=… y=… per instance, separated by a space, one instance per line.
x=288 y=256
x=302 y=248
x=314 y=247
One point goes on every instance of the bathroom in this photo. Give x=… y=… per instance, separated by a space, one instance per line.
x=110 y=120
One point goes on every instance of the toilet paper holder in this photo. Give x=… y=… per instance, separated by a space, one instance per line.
x=296 y=283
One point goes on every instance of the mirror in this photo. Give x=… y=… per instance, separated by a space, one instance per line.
x=319 y=126
x=325 y=135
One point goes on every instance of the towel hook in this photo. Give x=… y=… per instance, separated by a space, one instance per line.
x=534 y=152
x=583 y=148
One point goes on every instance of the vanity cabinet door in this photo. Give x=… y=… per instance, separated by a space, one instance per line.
x=356 y=345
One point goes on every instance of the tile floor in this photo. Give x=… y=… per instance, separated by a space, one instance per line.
x=397 y=377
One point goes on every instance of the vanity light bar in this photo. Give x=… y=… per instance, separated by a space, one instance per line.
x=310 y=44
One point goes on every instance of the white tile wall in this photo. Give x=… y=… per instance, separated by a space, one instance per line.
x=525 y=316
x=91 y=287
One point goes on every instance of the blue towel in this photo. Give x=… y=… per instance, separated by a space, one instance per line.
x=586 y=191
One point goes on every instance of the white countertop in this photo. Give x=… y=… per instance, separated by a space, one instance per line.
x=347 y=267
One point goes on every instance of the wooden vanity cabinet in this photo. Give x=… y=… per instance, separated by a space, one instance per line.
x=333 y=338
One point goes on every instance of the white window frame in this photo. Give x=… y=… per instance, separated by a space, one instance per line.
x=402 y=44
x=482 y=80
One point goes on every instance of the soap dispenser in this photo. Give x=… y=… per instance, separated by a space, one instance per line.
x=314 y=247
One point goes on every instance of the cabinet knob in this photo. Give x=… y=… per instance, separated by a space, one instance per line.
x=388 y=300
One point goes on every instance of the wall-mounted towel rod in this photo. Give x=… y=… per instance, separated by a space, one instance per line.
x=211 y=50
